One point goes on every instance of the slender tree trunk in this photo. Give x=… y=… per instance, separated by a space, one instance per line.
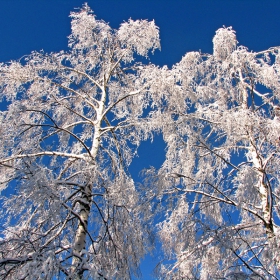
x=85 y=203
x=85 y=199
x=264 y=192
x=81 y=232
x=263 y=188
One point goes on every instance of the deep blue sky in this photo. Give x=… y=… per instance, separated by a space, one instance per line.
x=185 y=25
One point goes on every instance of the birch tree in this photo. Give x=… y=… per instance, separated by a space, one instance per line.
x=219 y=184
x=73 y=122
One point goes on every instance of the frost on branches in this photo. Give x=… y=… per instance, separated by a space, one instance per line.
x=73 y=124
x=220 y=180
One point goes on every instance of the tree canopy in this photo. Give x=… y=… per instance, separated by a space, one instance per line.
x=71 y=128
x=221 y=173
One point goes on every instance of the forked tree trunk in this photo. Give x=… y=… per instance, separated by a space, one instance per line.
x=258 y=165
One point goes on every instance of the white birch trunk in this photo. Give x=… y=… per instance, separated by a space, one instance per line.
x=85 y=202
x=264 y=192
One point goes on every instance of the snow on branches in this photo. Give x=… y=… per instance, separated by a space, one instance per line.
x=73 y=125
x=222 y=207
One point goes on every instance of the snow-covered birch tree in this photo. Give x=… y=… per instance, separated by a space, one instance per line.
x=220 y=181
x=72 y=124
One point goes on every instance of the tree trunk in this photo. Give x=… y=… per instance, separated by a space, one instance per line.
x=85 y=199
x=81 y=233
x=264 y=192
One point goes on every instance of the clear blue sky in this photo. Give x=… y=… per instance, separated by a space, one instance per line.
x=185 y=25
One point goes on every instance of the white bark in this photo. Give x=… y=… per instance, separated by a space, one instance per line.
x=85 y=203
x=264 y=191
